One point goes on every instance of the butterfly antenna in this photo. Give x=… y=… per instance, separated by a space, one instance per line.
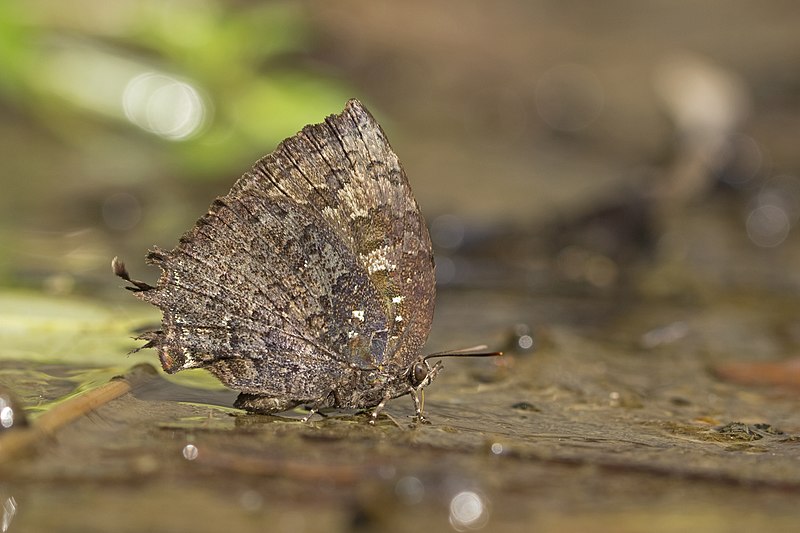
x=466 y=352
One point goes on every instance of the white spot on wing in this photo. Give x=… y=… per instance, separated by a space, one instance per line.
x=359 y=314
x=377 y=260
x=189 y=360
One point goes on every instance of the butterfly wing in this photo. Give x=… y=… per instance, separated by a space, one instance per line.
x=317 y=262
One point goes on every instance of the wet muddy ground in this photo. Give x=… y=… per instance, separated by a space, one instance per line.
x=627 y=412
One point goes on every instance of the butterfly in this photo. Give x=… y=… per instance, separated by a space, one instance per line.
x=310 y=283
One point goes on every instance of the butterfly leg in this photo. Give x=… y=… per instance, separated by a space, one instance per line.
x=417 y=405
x=311 y=412
x=331 y=400
x=378 y=408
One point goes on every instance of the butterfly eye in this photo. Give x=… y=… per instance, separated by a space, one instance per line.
x=420 y=372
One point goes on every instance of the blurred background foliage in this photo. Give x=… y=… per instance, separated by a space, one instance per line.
x=138 y=97
x=546 y=142
x=224 y=78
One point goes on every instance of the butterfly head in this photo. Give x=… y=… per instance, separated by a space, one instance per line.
x=421 y=373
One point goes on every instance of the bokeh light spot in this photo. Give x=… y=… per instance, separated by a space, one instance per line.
x=164 y=106
x=468 y=511
x=190 y=452
x=410 y=489
x=782 y=191
x=6 y=417
x=525 y=342
x=767 y=226
x=447 y=231
x=251 y=500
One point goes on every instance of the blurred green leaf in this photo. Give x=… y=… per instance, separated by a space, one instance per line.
x=245 y=62
x=80 y=334
x=16 y=56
